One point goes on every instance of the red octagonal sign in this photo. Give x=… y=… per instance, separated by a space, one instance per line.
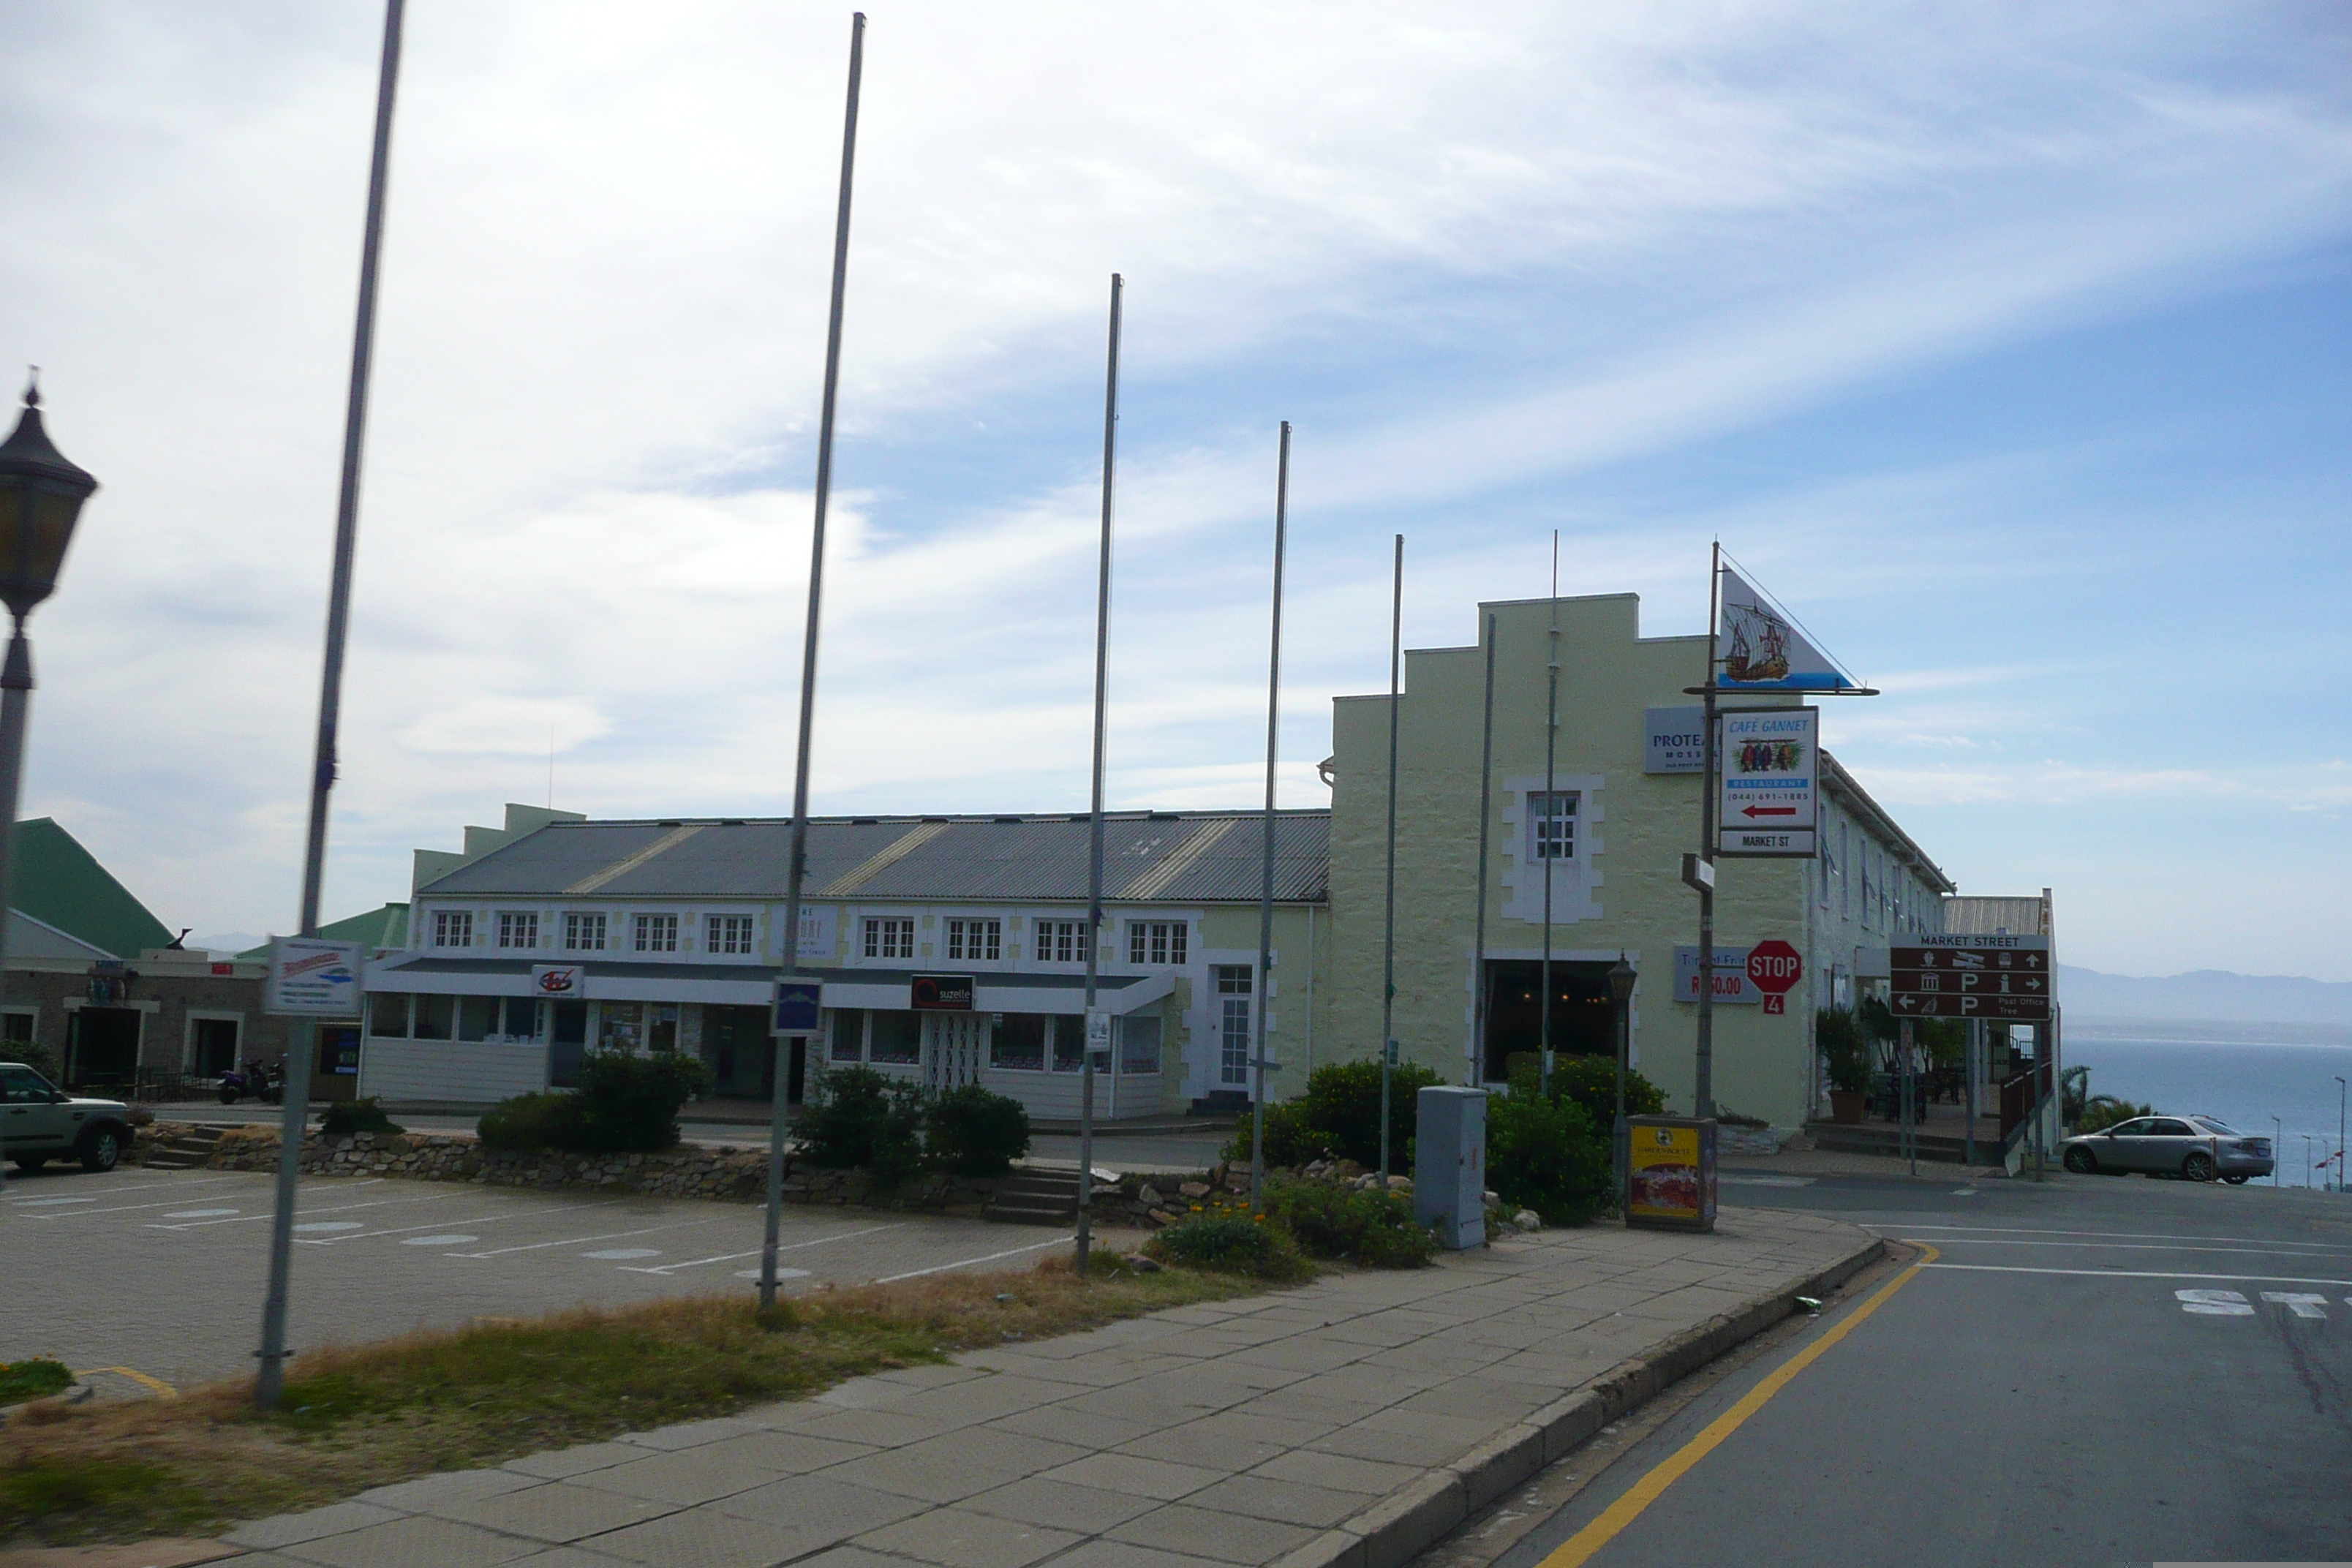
x=1774 y=968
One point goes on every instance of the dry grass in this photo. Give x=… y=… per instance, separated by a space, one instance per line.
x=365 y=1416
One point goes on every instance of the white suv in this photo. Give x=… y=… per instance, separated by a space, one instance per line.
x=41 y=1122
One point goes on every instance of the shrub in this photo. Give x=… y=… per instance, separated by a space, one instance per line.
x=2103 y=1110
x=1232 y=1243
x=1843 y=1043
x=346 y=1116
x=1546 y=1154
x=1591 y=1082
x=40 y=1058
x=859 y=1118
x=1290 y=1138
x=37 y=1378
x=529 y=1123
x=973 y=1132
x=626 y=1104
x=1369 y=1227
x=1340 y=1112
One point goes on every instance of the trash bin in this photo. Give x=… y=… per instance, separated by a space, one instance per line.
x=1670 y=1173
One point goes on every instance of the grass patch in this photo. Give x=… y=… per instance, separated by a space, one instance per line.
x=366 y=1416
x=35 y=1379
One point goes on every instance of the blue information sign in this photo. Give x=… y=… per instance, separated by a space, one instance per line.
x=798 y=1003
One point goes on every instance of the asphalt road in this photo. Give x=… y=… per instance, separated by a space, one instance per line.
x=162 y=1272
x=2049 y=1387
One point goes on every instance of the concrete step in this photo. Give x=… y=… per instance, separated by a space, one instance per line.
x=186 y=1150
x=1034 y=1197
x=1936 y=1146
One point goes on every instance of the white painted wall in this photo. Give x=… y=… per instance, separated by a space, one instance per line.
x=460 y=1071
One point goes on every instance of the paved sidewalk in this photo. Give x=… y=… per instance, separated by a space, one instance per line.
x=1342 y=1425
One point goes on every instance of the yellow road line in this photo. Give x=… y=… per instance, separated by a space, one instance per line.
x=1578 y=1548
x=154 y=1385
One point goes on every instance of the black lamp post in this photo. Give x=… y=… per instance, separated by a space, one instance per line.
x=1622 y=977
x=40 y=499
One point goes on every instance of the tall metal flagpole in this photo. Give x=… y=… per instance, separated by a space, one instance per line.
x=1547 y=835
x=1477 y=1072
x=1703 y=1086
x=269 y=1382
x=779 y=1087
x=1266 y=882
x=1388 y=928
x=1095 y=832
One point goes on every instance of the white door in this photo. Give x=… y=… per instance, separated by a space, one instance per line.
x=953 y=1043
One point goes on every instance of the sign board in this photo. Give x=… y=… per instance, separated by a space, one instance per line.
x=799 y=1004
x=1970 y=975
x=1670 y=1173
x=1731 y=982
x=1677 y=741
x=816 y=933
x=559 y=981
x=1774 y=968
x=942 y=994
x=1759 y=647
x=1099 y=1029
x=310 y=977
x=1767 y=802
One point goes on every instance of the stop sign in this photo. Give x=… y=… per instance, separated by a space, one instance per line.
x=1773 y=967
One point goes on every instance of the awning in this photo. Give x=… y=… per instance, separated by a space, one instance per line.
x=752 y=985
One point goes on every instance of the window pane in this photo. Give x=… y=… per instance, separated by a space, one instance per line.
x=848 y=1033
x=478 y=1016
x=1019 y=1042
x=522 y=1018
x=1139 y=1045
x=433 y=1016
x=1232 y=979
x=570 y=1023
x=388 y=1016
x=898 y=1036
x=1069 y=1041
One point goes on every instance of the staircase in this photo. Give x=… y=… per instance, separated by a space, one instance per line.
x=186 y=1150
x=1031 y=1195
x=1940 y=1147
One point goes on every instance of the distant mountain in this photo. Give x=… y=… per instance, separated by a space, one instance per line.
x=2206 y=996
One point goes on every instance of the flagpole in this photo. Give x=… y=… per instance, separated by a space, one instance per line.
x=1478 y=1064
x=1547 y=829
x=1388 y=928
x=1702 y=1087
x=1265 y=883
x=1095 y=829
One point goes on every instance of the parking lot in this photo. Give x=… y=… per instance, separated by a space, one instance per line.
x=161 y=1273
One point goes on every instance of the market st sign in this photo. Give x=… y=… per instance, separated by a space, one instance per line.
x=1768 y=803
x=2003 y=978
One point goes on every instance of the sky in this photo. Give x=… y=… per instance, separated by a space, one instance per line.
x=2010 y=345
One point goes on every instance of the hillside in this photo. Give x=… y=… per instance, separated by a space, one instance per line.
x=2217 y=996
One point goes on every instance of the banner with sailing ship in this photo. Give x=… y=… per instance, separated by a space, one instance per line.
x=1759 y=648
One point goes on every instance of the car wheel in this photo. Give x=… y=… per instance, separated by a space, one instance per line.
x=31 y=1162
x=102 y=1150
x=2239 y=1180
x=2082 y=1161
x=2198 y=1167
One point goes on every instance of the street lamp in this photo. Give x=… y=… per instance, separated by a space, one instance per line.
x=1622 y=977
x=40 y=499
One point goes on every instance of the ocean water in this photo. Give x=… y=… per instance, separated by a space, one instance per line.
x=2244 y=1084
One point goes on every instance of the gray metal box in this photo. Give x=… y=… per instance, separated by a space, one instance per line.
x=1449 y=1165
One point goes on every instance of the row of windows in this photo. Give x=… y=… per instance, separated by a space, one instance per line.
x=1022 y=1042
x=591 y=932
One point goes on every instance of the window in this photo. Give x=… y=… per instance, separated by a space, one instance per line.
x=1233 y=1023
x=848 y=1033
x=898 y=1038
x=1156 y=943
x=657 y=933
x=435 y=1017
x=1551 y=825
x=22 y=1086
x=518 y=930
x=1061 y=942
x=522 y=1018
x=890 y=936
x=388 y=1015
x=478 y=1016
x=1139 y=1045
x=979 y=940
x=661 y=1027
x=17 y=1028
x=1019 y=1043
x=453 y=928
x=584 y=933
x=1069 y=1041
x=727 y=934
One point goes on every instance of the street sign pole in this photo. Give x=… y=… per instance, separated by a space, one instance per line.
x=1910 y=1139
x=1703 y=1049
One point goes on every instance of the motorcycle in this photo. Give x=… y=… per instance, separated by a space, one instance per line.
x=255 y=1080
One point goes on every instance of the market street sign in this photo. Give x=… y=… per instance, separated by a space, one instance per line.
x=1969 y=975
x=2000 y=1009
x=1774 y=968
x=1767 y=802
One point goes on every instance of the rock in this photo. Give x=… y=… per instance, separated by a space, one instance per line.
x=1141 y=1264
x=1494 y=1200
x=1400 y=1183
x=1194 y=1189
x=1347 y=1170
x=1149 y=1196
x=1527 y=1219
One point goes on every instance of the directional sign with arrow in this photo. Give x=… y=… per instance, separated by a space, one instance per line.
x=1770 y=762
x=1970 y=975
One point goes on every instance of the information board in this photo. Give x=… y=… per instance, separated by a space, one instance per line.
x=1769 y=762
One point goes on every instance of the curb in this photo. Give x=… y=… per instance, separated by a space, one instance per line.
x=1400 y=1527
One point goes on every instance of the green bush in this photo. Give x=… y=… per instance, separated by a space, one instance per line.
x=859 y=1118
x=1340 y=1112
x=1371 y=1227
x=40 y=1058
x=346 y=1116
x=626 y=1104
x=529 y=1123
x=974 y=1132
x=1290 y=1138
x=1843 y=1041
x=1232 y=1243
x=2103 y=1110
x=1547 y=1155
x=37 y=1378
x=1591 y=1082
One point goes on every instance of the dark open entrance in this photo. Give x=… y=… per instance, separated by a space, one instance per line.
x=741 y=1054
x=102 y=1047
x=1583 y=1019
x=215 y=1046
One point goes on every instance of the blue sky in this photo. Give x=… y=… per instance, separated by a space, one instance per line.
x=2012 y=347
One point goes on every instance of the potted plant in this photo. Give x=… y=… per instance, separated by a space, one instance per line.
x=1844 y=1047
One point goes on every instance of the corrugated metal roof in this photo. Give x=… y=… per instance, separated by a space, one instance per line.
x=1978 y=915
x=982 y=858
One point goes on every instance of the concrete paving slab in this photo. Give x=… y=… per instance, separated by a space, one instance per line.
x=554 y=1511
x=1108 y=1554
x=1158 y=1480
x=1341 y=1472
x=1207 y=1532
x=287 y=1529
x=1059 y=1505
x=558 y=1463
x=1284 y=1502
x=406 y=1542
x=959 y=1538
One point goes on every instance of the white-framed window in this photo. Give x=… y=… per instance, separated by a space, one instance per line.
x=1060 y=942
x=1233 y=983
x=889 y=936
x=727 y=934
x=584 y=933
x=1158 y=942
x=845 y=1029
x=518 y=928
x=453 y=928
x=657 y=933
x=1551 y=825
x=1139 y=1045
x=980 y=941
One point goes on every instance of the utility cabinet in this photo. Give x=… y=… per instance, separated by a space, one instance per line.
x=1449 y=1165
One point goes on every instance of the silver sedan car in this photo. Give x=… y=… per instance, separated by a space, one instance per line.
x=2200 y=1148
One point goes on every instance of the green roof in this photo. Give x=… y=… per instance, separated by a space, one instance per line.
x=54 y=879
x=385 y=927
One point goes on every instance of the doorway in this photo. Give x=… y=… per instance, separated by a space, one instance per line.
x=740 y=1053
x=212 y=1046
x=337 y=1075
x=1584 y=1018
x=955 y=1045
x=102 y=1049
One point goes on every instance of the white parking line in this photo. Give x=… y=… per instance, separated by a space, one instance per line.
x=120 y=1209
x=436 y=1224
x=944 y=1267
x=576 y=1240
x=2128 y=1273
x=669 y=1268
x=303 y=1214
